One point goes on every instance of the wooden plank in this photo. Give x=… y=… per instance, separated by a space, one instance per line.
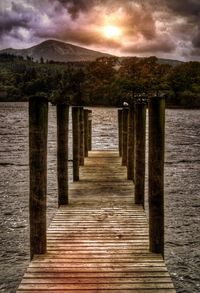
x=103 y=280
x=100 y=241
x=100 y=290
x=99 y=258
x=94 y=286
x=98 y=275
x=139 y=270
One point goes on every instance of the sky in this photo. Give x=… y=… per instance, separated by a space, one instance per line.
x=163 y=28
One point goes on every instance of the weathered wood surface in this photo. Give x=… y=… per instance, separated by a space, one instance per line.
x=124 y=136
x=120 y=131
x=82 y=146
x=38 y=129
x=156 y=173
x=131 y=144
x=76 y=142
x=140 y=141
x=86 y=132
x=100 y=241
x=89 y=130
x=62 y=152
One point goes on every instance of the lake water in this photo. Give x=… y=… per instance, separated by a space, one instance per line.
x=182 y=186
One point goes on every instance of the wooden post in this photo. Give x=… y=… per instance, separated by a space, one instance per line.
x=86 y=133
x=120 y=131
x=62 y=152
x=76 y=142
x=38 y=125
x=81 y=136
x=131 y=143
x=140 y=137
x=125 y=136
x=156 y=174
x=89 y=130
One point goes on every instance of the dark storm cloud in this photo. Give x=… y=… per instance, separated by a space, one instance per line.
x=191 y=10
x=17 y=16
x=74 y=7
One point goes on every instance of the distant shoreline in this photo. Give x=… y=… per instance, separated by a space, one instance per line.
x=111 y=106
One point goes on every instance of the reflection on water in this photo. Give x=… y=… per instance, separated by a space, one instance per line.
x=181 y=189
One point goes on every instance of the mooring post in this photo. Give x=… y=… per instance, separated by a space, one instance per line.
x=89 y=130
x=81 y=120
x=156 y=173
x=38 y=128
x=62 y=152
x=120 y=131
x=140 y=137
x=125 y=136
x=76 y=142
x=131 y=143
x=86 y=133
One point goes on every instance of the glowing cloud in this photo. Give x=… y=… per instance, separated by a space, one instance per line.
x=112 y=32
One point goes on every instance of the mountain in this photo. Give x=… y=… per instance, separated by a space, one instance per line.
x=64 y=52
x=57 y=51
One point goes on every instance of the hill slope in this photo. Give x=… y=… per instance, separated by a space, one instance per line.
x=57 y=51
x=64 y=52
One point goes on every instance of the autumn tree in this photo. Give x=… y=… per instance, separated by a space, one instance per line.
x=100 y=86
x=143 y=76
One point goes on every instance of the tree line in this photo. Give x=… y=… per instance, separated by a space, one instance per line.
x=106 y=81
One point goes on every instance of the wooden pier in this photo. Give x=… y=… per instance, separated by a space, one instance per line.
x=100 y=241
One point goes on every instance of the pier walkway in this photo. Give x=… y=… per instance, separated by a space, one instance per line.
x=100 y=241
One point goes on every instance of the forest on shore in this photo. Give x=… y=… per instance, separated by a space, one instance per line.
x=108 y=81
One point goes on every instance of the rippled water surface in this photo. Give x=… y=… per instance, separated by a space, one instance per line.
x=182 y=185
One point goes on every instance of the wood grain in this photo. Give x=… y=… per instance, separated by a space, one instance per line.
x=100 y=241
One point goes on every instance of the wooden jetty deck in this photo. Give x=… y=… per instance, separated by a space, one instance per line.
x=100 y=241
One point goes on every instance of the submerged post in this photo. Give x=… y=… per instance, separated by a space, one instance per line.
x=76 y=142
x=81 y=120
x=140 y=137
x=38 y=125
x=86 y=133
x=62 y=152
x=89 y=130
x=131 y=143
x=156 y=173
x=125 y=136
x=120 y=131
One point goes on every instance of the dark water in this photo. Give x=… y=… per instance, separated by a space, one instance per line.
x=182 y=185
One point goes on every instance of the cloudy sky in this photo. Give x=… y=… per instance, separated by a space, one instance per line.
x=165 y=28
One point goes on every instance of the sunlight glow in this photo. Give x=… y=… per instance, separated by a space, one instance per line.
x=112 y=32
